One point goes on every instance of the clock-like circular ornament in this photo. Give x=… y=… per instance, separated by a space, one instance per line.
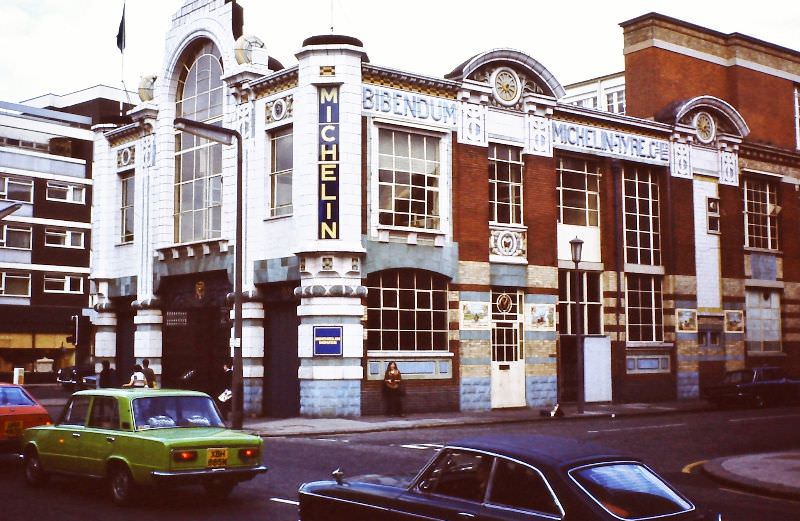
x=506 y=86
x=706 y=127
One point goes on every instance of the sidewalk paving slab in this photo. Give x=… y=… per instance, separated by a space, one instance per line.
x=772 y=473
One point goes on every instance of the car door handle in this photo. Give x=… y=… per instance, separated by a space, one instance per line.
x=76 y=434
x=467 y=515
x=111 y=439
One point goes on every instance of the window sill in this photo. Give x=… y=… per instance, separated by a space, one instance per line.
x=750 y=249
x=269 y=218
x=409 y=354
x=648 y=345
x=772 y=354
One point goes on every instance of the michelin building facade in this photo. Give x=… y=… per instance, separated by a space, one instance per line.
x=394 y=216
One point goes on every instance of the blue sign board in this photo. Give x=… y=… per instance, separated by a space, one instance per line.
x=327 y=340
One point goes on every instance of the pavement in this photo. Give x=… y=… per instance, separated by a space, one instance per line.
x=773 y=474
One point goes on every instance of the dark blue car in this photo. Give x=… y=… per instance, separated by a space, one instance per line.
x=508 y=477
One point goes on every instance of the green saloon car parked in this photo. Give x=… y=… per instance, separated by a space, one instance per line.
x=141 y=437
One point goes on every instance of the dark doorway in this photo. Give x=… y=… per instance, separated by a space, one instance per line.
x=281 y=384
x=567 y=368
x=195 y=349
x=125 y=339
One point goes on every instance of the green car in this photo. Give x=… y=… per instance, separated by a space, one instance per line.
x=142 y=437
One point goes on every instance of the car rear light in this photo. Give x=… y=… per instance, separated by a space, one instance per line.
x=250 y=453
x=184 y=456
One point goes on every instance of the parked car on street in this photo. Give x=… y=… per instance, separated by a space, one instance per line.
x=18 y=411
x=506 y=477
x=72 y=377
x=759 y=387
x=137 y=437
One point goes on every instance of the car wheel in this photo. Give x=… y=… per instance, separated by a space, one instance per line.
x=218 y=490
x=34 y=472
x=121 y=485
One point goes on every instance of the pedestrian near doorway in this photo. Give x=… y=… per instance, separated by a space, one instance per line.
x=226 y=394
x=149 y=374
x=137 y=378
x=393 y=390
x=107 y=376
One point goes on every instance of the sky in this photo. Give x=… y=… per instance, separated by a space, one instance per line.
x=61 y=46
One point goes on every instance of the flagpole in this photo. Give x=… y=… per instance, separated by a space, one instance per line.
x=121 y=47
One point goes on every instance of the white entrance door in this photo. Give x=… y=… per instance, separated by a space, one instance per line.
x=597 y=369
x=508 y=362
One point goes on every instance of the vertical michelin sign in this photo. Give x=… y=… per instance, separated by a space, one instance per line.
x=328 y=209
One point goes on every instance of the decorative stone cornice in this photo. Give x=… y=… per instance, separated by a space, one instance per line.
x=280 y=81
x=408 y=81
x=338 y=290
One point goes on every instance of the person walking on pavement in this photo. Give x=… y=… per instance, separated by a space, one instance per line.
x=225 y=396
x=392 y=380
x=107 y=376
x=149 y=374
x=137 y=378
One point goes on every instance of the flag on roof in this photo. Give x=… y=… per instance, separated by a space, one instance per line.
x=121 y=32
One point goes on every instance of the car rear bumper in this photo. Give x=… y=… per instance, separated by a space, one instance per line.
x=198 y=475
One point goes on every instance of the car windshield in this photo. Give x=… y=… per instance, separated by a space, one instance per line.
x=14 y=396
x=175 y=411
x=629 y=491
x=738 y=377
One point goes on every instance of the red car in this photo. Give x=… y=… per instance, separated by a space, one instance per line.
x=18 y=411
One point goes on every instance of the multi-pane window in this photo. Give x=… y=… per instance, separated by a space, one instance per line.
x=763 y=329
x=281 y=172
x=647 y=364
x=59 y=283
x=507 y=329
x=615 y=102
x=589 y=103
x=505 y=184
x=16 y=189
x=760 y=214
x=127 y=182
x=198 y=161
x=642 y=236
x=406 y=311
x=408 y=179
x=590 y=300
x=578 y=192
x=15 y=284
x=63 y=238
x=15 y=236
x=645 y=312
x=66 y=192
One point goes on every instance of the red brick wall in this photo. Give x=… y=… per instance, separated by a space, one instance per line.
x=677 y=226
x=731 y=203
x=471 y=201
x=610 y=217
x=541 y=209
x=788 y=241
x=655 y=78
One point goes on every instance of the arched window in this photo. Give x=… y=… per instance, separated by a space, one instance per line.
x=198 y=162
x=406 y=311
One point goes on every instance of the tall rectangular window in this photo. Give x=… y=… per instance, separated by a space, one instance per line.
x=590 y=299
x=763 y=326
x=505 y=184
x=408 y=179
x=15 y=236
x=66 y=192
x=645 y=312
x=15 y=284
x=615 y=102
x=63 y=238
x=280 y=175
x=578 y=192
x=127 y=181
x=760 y=214
x=16 y=189
x=642 y=223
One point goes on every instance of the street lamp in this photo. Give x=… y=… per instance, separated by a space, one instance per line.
x=576 y=246
x=8 y=210
x=226 y=137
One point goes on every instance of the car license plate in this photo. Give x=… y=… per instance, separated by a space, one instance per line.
x=217 y=458
x=13 y=429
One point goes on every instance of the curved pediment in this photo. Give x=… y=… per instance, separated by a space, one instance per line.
x=535 y=77
x=682 y=112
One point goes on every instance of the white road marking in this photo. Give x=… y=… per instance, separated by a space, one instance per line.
x=760 y=418
x=281 y=500
x=422 y=446
x=644 y=427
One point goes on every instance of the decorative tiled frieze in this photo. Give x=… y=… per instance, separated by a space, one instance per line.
x=472 y=130
x=126 y=157
x=279 y=109
x=681 y=165
x=728 y=168
x=508 y=243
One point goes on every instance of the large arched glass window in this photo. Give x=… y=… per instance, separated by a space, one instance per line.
x=198 y=162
